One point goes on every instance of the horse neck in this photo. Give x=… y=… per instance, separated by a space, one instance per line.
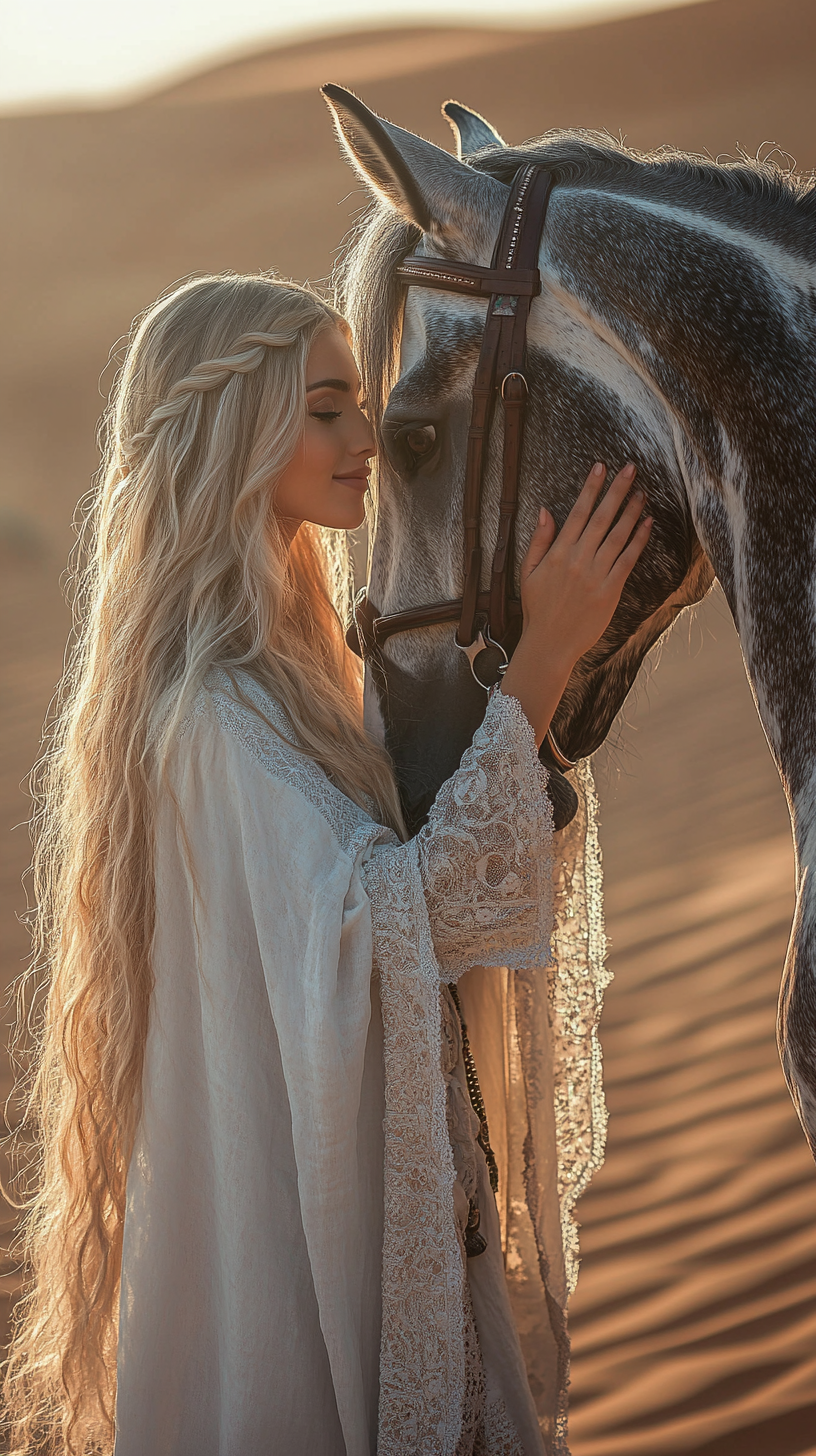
x=721 y=329
x=718 y=322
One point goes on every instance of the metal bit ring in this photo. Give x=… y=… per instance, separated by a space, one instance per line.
x=483 y=642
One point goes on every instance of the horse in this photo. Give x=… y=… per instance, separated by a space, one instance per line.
x=676 y=327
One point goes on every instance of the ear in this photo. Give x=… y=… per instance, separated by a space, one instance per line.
x=416 y=178
x=470 y=130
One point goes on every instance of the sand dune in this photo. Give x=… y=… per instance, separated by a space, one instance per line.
x=695 y=1318
x=694 y=1321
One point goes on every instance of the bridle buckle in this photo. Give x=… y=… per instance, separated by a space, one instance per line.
x=515 y=375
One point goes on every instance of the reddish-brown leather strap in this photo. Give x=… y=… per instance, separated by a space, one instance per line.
x=502 y=349
x=531 y=211
x=368 y=630
x=512 y=281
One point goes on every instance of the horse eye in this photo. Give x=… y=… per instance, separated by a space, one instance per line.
x=417 y=441
x=421 y=440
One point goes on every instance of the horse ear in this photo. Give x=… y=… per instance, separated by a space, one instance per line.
x=470 y=130
x=415 y=177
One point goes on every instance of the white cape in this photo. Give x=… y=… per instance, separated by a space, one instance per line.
x=293 y=1277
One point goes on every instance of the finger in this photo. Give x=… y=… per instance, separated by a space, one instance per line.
x=584 y=505
x=627 y=560
x=540 y=543
x=603 y=517
x=615 y=539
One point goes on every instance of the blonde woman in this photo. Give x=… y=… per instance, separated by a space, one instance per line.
x=258 y=1168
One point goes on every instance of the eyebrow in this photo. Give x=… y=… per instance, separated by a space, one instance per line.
x=330 y=384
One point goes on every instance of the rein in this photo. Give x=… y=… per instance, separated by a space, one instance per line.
x=488 y=622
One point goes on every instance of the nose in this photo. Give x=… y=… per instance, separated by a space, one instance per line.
x=366 y=447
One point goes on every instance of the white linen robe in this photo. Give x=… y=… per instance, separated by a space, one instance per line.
x=293 y=1278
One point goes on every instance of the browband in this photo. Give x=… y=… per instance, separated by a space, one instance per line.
x=469 y=278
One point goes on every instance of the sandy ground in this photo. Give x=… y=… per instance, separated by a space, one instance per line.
x=695 y=1319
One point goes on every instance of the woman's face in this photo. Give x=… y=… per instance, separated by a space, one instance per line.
x=327 y=480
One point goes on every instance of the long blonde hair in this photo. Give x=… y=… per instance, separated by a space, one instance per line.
x=184 y=569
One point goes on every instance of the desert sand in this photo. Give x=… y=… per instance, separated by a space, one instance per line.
x=695 y=1319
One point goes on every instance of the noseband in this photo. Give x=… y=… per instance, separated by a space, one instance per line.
x=489 y=623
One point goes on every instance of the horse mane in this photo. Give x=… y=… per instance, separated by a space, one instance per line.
x=592 y=157
x=371 y=299
x=757 y=194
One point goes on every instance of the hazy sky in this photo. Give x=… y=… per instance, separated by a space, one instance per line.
x=54 y=50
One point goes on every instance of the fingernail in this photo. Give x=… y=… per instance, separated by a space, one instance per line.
x=598 y=469
x=629 y=469
x=639 y=494
x=542 y=515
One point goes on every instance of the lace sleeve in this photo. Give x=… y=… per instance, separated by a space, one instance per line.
x=484 y=855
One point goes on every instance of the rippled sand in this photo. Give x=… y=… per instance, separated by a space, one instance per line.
x=694 y=1322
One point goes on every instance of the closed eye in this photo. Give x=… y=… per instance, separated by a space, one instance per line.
x=326 y=415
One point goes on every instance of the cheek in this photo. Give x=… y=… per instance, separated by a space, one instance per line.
x=320 y=450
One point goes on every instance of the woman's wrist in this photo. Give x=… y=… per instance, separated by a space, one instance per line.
x=539 y=648
x=537 y=676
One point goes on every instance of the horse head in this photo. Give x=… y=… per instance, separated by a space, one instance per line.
x=675 y=327
x=585 y=404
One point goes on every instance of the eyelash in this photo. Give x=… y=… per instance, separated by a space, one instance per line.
x=326 y=415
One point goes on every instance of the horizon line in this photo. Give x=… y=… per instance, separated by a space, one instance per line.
x=564 y=15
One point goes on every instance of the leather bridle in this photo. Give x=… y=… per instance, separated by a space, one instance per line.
x=489 y=623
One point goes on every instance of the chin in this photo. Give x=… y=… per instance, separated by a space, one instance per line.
x=335 y=513
x=344 y=520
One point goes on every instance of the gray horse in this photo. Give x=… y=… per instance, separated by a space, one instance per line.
x=676 y=327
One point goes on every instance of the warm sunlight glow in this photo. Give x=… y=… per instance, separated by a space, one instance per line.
x=96 y=50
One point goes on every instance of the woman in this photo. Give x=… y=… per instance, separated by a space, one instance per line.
x=264 y=1219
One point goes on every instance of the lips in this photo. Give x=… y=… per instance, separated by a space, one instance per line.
x=357 y=479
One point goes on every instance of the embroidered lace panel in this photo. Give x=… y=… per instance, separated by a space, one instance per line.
x=487 y=1429
x=555 y=1072
x=498 y=1436
x=422 y=1354
x=577 y=987
x=575 y=994
x=474 y=1398
x=484 y=853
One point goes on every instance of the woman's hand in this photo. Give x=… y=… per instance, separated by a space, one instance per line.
x=571 y=583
